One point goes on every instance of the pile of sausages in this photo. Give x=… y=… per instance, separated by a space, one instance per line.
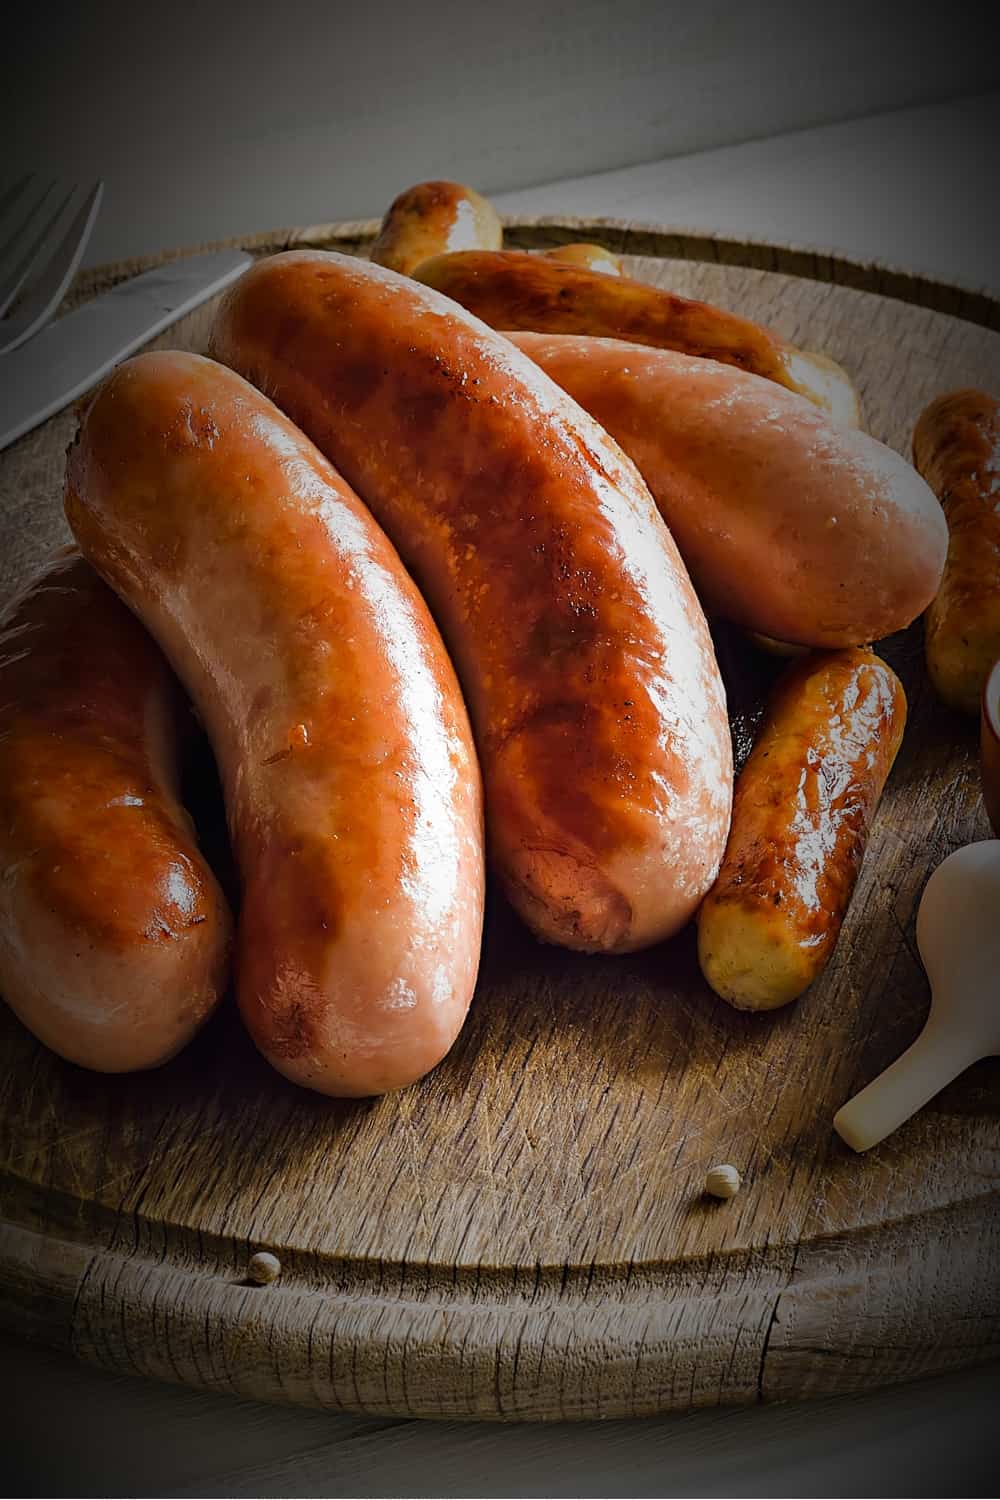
x=428 y=543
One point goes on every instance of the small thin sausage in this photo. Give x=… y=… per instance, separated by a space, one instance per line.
x=513 y=290
x=593 y=257
x=802 y=809
x=114 y=934
x=431 y=219
x=348 y=771
x=956 y=447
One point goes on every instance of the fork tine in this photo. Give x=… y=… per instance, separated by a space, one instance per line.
x=13 y=274
x=49 y=288
x=15 y=192
x=31 y=203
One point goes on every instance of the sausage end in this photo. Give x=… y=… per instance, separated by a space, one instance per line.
x=567 y=902
x=750 y=961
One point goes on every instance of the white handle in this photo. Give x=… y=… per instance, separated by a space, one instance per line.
x=934 y=1059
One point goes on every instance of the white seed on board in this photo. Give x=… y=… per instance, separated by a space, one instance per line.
x=723 y=1182
x=264 y=1267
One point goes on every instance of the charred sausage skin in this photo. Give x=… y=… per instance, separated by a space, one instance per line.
x=351 y=785
x=584 y=654
x=114 y=934
x=513 y=290
x=802 y=809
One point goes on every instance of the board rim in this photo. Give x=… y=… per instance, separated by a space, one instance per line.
x=84 y=1297
x=972 y=304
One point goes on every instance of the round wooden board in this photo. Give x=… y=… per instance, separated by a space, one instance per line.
x=523 y=1234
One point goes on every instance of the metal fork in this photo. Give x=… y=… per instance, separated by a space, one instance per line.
x=38 y=258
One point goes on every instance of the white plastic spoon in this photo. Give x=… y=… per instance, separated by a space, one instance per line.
x=958 y=935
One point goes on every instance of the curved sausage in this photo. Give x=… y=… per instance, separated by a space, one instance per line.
x=956 y=447
x=433 y=218
x=351 y=785
x=114 y=934
x=515 y=291
x=801 y=813
x=790 y=525
x=584 y=654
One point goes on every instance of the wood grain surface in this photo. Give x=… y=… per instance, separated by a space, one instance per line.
x=524 y=1234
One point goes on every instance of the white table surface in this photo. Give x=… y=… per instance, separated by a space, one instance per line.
x=905 y=188
x=914 y=189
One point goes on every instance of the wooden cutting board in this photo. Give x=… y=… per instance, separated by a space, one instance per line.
x=524 y=1233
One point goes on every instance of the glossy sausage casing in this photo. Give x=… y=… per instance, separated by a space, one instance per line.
x=956 y=446
x=584 y=654
x=513 y=290
x=351 y=784
x=433 y=218
x=114 y=933
x=790 y=525
x=802 y=809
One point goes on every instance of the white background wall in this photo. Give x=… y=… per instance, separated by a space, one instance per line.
x=185 y=109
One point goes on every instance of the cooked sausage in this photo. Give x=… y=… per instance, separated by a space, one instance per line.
x=956 y=447
x=114 y=934
x=350 y=780
x=584 y=654
x=801 y=813
x=790 y=525
x=594 y=257
x=513 y=290
x=433 y=218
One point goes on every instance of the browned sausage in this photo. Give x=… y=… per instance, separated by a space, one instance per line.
x=350 y=780
x=514 y=290
x=113 y=931
x=790 y=524
x=956 y=446
x=803 y=805
x=431 y=219
x=585 y=657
